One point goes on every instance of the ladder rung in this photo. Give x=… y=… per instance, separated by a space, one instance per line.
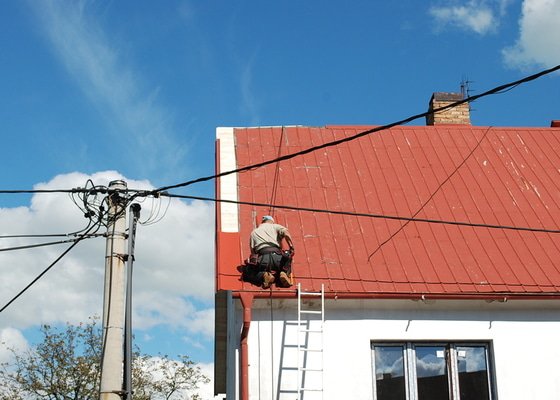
x=304 y=351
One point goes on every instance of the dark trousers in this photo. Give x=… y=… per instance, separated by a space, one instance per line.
x=273 y=259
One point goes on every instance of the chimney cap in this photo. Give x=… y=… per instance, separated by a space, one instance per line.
x=447 y=96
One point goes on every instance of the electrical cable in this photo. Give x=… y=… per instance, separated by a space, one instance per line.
x=31 y=246
x=275 y=181
x=271 y=342
x=152 y=206
x=155 y=192
x=90 y=231
x=379 y=246
x=370 y=215
x=470 y=99
x=102 y=190
x=75 y=233
x=156 y=213
x=88 y=200
x=276 y=174
x=35 y=191
x=38 y=235
x=47 y=269
x=270 y=212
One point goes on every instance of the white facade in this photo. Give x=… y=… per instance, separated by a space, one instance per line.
x=522 y=337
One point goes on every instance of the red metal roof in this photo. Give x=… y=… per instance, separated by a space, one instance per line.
x=461 y=173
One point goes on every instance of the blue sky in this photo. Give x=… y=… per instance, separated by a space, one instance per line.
x=135 y=90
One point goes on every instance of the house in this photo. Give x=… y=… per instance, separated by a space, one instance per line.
x=435 y=275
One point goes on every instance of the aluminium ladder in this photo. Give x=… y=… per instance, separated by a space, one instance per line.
x=310 y=343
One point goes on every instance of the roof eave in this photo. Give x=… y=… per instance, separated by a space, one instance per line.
x=495 y=296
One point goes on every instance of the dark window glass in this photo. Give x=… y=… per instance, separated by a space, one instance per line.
x=427 y=371
x=389 y=373
x=473 y=372
x=431 y=372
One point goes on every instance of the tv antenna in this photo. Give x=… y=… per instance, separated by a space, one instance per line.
x=466 y=89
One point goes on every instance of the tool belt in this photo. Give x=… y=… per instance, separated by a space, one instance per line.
x=271 y=258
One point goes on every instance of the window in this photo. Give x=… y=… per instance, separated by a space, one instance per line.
x=431 y=371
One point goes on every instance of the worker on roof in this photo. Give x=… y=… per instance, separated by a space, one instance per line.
x=274 y=263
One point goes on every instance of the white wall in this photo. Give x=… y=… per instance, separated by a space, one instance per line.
x=524 y=336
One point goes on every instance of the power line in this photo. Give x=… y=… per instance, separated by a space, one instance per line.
x=276 y=173
x=37 y=235
x=99 y=189
x=496 y=90
x=142 y=193
x=76 y=241
x=90 y=231
x=26 y=236
x=423 y=205
x=36 y=191
x=368 y=215
x=31 y=246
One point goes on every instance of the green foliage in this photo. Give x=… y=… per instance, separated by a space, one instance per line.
x=65 y=365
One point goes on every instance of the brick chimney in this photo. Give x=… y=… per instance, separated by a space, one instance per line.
x=455 y=115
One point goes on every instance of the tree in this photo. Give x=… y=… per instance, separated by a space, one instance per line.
x=65 y=365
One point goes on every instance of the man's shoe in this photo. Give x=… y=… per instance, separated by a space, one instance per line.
x=285 y=280
x=268 y=279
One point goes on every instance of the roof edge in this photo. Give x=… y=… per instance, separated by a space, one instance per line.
x=495 y=296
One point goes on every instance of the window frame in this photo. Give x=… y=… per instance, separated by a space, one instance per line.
x=451 y=359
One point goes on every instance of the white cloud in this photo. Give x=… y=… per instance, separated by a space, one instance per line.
x=539 y=33
x=11 y=338
x=430 y=365
x=110 y=82
x=206 y=390
x=173 y=269
x=476 y=15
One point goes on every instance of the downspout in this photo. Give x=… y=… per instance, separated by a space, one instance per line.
x=247 y=303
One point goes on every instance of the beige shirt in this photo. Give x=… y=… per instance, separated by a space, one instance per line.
x=266 y=235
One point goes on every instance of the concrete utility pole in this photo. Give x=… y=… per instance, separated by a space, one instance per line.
x=111 y=386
